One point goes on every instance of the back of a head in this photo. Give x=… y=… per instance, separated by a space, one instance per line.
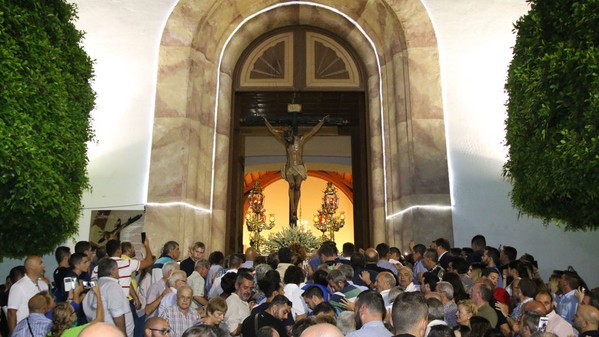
x=528 y=287
x=347 y=270
x=419 y=248
x=61 y=252
x=383 y=250
x=348 y=249
x=235 y=260
x=510 y=252
x=267 y=331
x=346 y=322
x=313 y=291
x=478 y=242
x=324 y=308
x=431 y=279
x=328 y=250
x=322 y=330
x=409 y=309
x=320 y=277
x=372 y=301
x=479 y=326
x=112 y=246
x=357 y=260
x=82 y=246
x=106 y=266
x=261 y=270
x=301 y=325
x=530 y=320
x=126 y=246
x=444 y=243
x=435 y=309
x=431 y=254
x=441 y=330
x=227 y=283
x=493 y=253
x=294 y=275
x=270 y=283
x=284 y=255
x=38 y=304
x=101 y=329
x=205 y=331
x=371 y=255
x=216 y=257
x=460 y=264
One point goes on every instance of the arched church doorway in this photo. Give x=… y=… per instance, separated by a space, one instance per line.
x=293 y=77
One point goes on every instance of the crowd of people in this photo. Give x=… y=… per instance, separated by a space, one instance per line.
x=434 y=291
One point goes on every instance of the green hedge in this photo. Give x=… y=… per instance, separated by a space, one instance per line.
x=45 y=104
x=553 y=114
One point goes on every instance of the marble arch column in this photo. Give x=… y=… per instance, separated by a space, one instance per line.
x=404 y=107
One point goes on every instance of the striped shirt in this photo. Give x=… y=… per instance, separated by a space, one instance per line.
x=126 y=268
x=178 y=321
x=39 y=324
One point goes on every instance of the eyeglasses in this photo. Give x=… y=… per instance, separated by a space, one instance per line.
x=162 y=331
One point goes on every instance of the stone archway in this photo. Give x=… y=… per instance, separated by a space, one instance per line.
x=408 y=161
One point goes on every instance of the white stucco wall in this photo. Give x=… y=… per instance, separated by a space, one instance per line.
x=474 y=42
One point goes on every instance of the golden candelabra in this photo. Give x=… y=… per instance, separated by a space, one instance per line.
x=255 y=219
x=325 y=220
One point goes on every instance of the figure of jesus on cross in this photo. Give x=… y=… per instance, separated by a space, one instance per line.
x=294 y=170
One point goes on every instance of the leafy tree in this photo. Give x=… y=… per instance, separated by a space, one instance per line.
x=45 y=104
x=553 y=113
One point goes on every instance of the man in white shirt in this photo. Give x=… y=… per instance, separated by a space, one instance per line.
x=555 y=323
x=32 y=283
x=197 y=282
x=238 y=307
x=384 y=282
x=116 y=305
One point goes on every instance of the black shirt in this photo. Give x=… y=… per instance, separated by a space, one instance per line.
x=248 y=327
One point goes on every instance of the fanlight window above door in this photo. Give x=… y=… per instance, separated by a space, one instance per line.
x=299 y=59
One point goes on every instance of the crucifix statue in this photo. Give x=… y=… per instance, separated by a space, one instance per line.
x=294 y=170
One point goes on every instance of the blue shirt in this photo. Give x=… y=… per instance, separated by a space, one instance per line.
x=567 y=305
x=418 y=268
x=40 y=326
x=371 y=329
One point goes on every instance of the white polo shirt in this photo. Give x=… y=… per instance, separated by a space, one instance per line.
x=20 y=294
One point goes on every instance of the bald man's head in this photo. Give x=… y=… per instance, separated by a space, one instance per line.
x=38 y=304
x=586 y=318
x=535 y=306
x=101 y=329
x=322 y=330
x=34 y=266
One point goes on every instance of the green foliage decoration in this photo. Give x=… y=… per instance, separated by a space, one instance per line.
x=45 y=104
x=292 y=235
x=552 y=128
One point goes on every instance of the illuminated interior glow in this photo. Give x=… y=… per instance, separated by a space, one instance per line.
x=179 y=203
x=305 y=3
x=431 y=207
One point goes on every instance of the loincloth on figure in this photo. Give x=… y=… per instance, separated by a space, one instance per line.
x=288 y=173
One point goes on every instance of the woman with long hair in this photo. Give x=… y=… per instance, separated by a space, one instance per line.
x=64 y=316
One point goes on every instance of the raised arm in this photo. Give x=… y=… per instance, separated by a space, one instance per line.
x=315 y=129
x=273 y=132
